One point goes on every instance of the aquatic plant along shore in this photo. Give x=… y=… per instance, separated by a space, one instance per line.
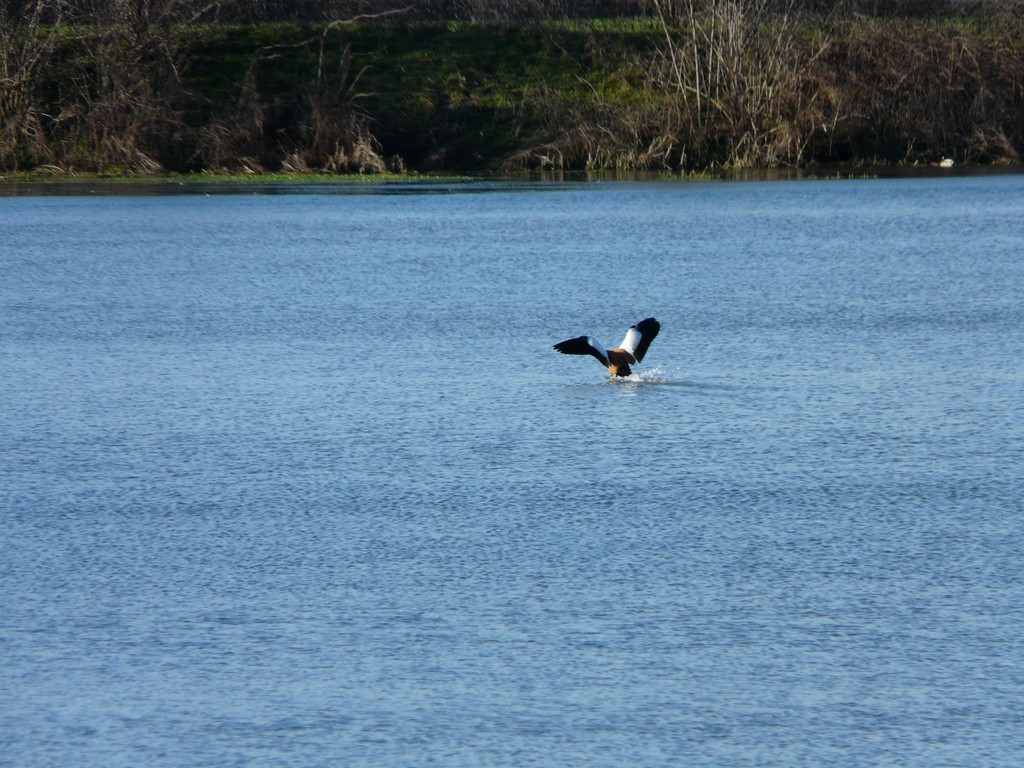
x=367 y=87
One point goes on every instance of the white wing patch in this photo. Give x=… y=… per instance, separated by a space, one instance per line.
x=631 y=341
x=597 y=345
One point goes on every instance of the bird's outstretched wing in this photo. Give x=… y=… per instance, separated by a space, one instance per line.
x=583 y=345
x=639 y=337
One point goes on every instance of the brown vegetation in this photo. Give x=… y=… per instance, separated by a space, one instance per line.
x=116 y=85
x=24 y=52
x=756 y=84
x=914 y=93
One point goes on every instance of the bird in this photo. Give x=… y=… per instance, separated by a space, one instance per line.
x=617 y=361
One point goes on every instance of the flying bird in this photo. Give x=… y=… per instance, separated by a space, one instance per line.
x=617 y=361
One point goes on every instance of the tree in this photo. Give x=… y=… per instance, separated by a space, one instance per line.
x=27 y=33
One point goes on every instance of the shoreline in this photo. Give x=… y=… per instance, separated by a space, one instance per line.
x=14 y=184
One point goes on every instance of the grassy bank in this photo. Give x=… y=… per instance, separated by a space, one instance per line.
x=722 y=90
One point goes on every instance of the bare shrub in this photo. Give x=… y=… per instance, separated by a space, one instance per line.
x=231 y=139
x=338 y=140
x=335 y=135
x=124 y=108
x=916 y=94
x=321 y=128
x=746 y=93
x=26 y=46
x=595 y=135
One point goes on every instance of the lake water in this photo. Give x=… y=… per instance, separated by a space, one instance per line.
x=296 y=479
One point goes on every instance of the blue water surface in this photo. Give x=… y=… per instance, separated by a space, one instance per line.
x=297 y=479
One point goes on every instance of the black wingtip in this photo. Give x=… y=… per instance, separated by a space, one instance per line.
x=648 y=326
x=577 y=346
x=580 y=346
x=648 y=329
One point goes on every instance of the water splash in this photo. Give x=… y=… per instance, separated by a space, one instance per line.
x=651 y=376
x=664 y=377
x=654 y=376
